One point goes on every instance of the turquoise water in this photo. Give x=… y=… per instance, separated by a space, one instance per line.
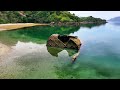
x=30 y=58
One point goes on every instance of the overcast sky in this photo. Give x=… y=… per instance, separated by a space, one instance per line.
x=99 y=14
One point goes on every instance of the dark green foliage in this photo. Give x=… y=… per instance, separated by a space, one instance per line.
x=92 y=19
x=43 y=17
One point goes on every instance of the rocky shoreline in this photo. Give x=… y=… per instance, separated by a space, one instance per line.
x=74 y=23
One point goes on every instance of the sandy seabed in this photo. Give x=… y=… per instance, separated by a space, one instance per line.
x=3 y=49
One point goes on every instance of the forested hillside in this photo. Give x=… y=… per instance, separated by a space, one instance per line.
x=43 y=17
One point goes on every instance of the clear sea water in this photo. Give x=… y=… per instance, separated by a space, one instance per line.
x=29 y=58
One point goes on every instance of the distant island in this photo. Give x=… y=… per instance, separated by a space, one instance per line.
x=115 y=19
x=47 y=17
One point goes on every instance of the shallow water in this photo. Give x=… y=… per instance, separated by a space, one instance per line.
x=30 y=58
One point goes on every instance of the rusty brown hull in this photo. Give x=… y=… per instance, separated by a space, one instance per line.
x=71 y=42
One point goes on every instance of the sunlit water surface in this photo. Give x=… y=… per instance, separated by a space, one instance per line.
x=30 y=58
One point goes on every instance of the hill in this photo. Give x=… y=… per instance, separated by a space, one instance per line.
x=115 y=19
x=44 y=17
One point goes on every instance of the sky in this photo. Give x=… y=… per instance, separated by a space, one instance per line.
x=98 y=14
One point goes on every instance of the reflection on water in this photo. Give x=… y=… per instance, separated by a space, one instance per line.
x=115 y=22
x=38 y=34
x=30 y=58
x=71 y=52
x=91 y=25
x=54 y=51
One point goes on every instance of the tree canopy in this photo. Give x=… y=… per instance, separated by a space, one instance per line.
x=43 y=17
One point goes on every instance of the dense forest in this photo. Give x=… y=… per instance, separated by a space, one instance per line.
x=44 y=17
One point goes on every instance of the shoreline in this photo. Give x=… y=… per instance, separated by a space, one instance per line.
x=74 y=23
x=12 y=26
